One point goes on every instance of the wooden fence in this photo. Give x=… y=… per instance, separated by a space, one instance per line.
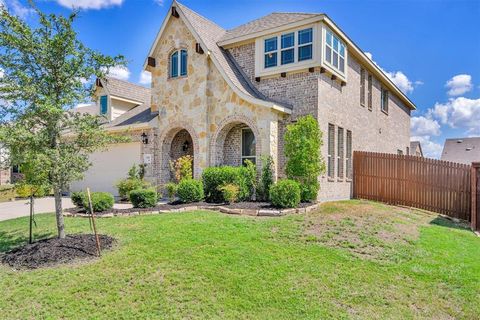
x=434 y=185
x=476 y=196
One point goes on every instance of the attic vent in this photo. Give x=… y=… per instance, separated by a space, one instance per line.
x=98 y=83
x=459 y=141
x=175 y=13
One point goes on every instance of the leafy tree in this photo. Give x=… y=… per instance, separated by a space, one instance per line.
x=46 y=72
x=266 y=178
x=303 y=140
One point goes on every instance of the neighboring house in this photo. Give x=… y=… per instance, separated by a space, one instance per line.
x=462 y=150
x=224 y=96
x=415 y=149
x=126 y=107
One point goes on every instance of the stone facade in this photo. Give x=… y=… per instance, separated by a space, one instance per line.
x=203 y=107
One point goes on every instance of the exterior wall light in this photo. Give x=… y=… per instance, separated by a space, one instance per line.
x=144 y=138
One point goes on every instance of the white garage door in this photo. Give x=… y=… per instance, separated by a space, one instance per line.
x=108 y=167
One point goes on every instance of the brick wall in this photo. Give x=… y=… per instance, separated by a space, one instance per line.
x=232 y=153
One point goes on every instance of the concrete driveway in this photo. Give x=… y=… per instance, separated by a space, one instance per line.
x=21 y=208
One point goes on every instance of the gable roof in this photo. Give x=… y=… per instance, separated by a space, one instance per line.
x=140 y=115
x=462 y=150
x=208 y=34
x=270 y=21
x=127 y=90
x=414 y=145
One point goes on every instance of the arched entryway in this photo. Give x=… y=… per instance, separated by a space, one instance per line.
x=236 y=141
x=176 y=142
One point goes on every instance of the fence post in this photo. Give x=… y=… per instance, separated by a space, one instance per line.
x=475 y=196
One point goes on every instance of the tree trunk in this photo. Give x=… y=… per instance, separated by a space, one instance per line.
x=58 y=212
x=30 y=238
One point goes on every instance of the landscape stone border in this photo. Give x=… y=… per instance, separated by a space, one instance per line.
x=236 y=211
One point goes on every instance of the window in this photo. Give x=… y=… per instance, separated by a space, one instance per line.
x=270 y=52
x=300 y=42
x=288 y=48
x=340 y=159
x=348 y=155
x=178 y=65
x=370 y=88
x=384 y=100
x=331 y=150
x=362 y=87
x=103 y=104
x=335 y=52
x=305 y=44
x=248 y=145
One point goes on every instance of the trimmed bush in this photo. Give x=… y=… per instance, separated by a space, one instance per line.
x=171 y=189
x=215 y=177
x=143 y=198
x=285 y=194
x=77 y=198
x=230 y=192
x=190 y=190
x=101 y=201
x=127 y=185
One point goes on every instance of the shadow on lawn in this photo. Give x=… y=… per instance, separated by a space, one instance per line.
x=9 y=241
x=447 y=223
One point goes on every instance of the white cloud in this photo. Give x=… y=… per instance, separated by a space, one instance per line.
x=2 y=73
x=423 y=126
x=159 y=2
x=399 y=78
x=119 y=72
x=459 y=84
x=460 y=113
x=145 y=78
x=16 y=8
x=89 y=4
x=430 y=148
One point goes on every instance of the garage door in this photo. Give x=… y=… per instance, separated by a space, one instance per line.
x=108 y=167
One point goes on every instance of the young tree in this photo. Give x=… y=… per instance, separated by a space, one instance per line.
x=46 y=72
x=303 y=140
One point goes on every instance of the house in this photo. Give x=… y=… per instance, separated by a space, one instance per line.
x=415 y=149
x=462 y=150
x=126 y=108
x=224 y=96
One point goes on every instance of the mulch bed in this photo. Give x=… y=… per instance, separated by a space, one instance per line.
x=54 y=251
x=259 y=205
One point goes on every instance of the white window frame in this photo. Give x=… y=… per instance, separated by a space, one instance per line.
x=326 y=64
x=384 y=99
x=261 y=71
x=242 y=157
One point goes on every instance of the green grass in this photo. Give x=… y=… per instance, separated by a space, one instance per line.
x=207 y=265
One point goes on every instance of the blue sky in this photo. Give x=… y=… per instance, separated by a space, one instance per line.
x=431 y=49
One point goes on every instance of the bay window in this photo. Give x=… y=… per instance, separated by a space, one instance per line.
x=335 y=52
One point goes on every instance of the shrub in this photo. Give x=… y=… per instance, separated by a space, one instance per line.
x=190 y=190
x=137 y=172
x=7 y=192
x=101 y=201
x=126 y=185
x=230 y=192
x=25 y=190
x=303 y=140
x=285 y=194
x=249 y=173
x=182 y=168
x=171 y=189
x=266 y=179
x=215 y=177
x=78 y=198
x=143 y=198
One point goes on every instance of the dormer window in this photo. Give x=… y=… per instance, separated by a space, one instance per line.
x=335 y=52
x=287 y=49
x=178 y=63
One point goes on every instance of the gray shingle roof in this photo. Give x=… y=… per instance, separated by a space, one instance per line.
x=267 y=22
x=210 y=33
x=462 y=150
x=137 y=115
x=127 y=90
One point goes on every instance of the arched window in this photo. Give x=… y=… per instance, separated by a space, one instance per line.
x=178 y=65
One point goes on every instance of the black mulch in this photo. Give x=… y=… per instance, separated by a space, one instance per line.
x=54 y=251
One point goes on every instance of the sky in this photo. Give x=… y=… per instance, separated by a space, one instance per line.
x=430 y=49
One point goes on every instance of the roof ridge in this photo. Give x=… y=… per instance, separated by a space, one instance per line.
x=198 y=14
x=126 y=81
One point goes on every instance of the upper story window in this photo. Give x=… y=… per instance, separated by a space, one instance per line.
x=384 y=100
x=335 y=52
x=103 y=105
x=178 y=63
x=288 y=48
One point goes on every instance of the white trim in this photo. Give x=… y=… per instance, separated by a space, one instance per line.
x=261 y=71
x=326 y=64
x=126 y=100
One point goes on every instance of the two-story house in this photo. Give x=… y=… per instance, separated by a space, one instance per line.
x=224 y=96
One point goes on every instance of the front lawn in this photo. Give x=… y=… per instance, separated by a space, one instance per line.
x=351 y=259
